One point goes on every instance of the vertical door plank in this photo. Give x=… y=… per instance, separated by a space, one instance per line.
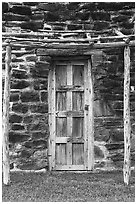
x=61 y=154
x=69 y=118
x=78 y=154
x=86 y=102
x=127 y=126
x=78 y=100
x=60 y=101
x=78 y=75
x=52 y=117
x=90 y=120
x=61 y=76
x=61 y=127
x=77 y=128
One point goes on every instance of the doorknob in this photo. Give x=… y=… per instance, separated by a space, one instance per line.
x=86 y=107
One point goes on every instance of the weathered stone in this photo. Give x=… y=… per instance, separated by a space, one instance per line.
x=41 y=118
x=98 y=152
x=83 y=15
x=40 y=158
x=22 y=10
x=101 y=134
x=114 y=146
x=31 y=58
x=40 y=144
x=32 y=25
x=47 y=6
x=127 y=25
x=120 y=18
x=99 y=164
x=28 y=119
x=45 y=58
x=100 y=15
x=20 y=108
x=5 y=7
x=44 y=96
x=127 y=31
x=100 y=25
x=14 y=118
x=88 y=26
x=19 y=74
x=14 y=97
x=37 y=16
x=29 y=96
x=116 y=135
x=58 y=27
x=15 y=137
x=24 y=164
x=40 y=135
x=19 y=59
x=31 y=3
x=74 y=27
x=39 y=108
x=38 y=127
x=15 y=17
x=39 y=71
x=19 y=84
x=48 y=16
x=26 y=153
x=17 y=127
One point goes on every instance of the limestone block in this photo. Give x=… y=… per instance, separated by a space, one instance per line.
x=100 y=15
x=15 y=17
x=5 y=7
x=47 y=6
x=44 y=96
x=17 y=127
x=19 y=73
x=16 y=137
x=74 y=27
x=29 y=96
x=40 y=84
x=19 y=84
x=14 y=97
x=28 y=119
x=98 y=152
x=100 y=25
x=22 y=10
x=49 y=16
x=40 y=135
x=39 y=108
x=20 y=108
x=31 y=58
x=37 y=127
x=14 y=118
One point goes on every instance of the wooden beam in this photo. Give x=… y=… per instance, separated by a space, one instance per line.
x=6 y=99
x=45 y=44
x=67 y=50
x=127 y=126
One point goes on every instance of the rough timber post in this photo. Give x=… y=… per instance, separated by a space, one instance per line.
x=6 y=98
x=127 y=128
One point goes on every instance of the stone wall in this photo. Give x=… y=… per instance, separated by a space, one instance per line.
x=29 y=78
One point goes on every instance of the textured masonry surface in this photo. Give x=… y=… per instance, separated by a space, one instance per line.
x=29 y=79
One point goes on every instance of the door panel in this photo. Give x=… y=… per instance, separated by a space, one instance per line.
x=78 y=100
x=69 y=136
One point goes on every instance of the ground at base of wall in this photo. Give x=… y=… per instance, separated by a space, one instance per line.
x=69 y=187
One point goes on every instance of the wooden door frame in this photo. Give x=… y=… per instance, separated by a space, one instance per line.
x=89 y=119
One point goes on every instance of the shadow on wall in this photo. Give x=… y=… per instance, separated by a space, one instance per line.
x=102 y=108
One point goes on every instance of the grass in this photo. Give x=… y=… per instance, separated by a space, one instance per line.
x=69 y=187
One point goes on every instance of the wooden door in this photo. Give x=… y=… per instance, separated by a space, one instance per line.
x=71 y=116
